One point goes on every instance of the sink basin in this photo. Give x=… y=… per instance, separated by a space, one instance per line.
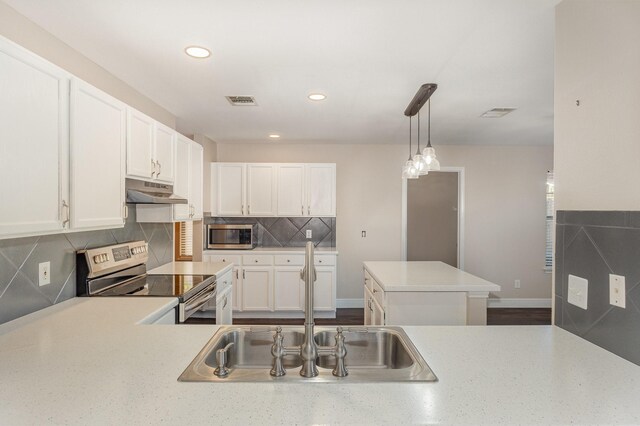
x=374 y=354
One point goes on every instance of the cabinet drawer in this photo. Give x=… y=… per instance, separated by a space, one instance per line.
x=289 y=260
x=250 y=260
x=324 y=260
x=235 y=259
x=378 y=293
x=368 y=281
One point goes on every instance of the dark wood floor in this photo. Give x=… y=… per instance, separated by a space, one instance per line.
x=355 y=316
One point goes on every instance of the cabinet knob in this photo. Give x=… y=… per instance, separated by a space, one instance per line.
x=288 y=261
x=319 y=261
x=256 y=260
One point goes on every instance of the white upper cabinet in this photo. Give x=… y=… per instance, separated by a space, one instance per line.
x=229 y=188
x=291 y=190
x=34 y=143
x=98 y=140
x=150 y=149
x=196 y=178
x=321 y=190
x=140 y=162
x=266 y=189
x=261 y=189
x=164 y=153
x=183 y=181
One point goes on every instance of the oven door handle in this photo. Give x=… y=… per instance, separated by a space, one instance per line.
x=198 y=301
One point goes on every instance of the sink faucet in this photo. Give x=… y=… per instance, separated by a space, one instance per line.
x=309 y=350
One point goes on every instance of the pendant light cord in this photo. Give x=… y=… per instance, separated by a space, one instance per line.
x=418 y=151
x=429 y=124
x=410 y=138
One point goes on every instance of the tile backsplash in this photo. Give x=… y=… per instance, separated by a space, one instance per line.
x=592 y=245
x=20 y=293
x=288 y=231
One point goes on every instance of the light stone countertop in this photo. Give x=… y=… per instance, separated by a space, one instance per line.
x=85 y=361
x=272 y=250
x=192 y=268
x=425 y=276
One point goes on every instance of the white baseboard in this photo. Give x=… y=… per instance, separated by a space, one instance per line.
x=350 y=303
x=518 y=303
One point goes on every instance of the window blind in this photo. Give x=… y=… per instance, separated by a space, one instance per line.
x=548 y=255
x=185 y=239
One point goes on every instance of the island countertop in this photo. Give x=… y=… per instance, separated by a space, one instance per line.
x=85 y=361
x=425 y=276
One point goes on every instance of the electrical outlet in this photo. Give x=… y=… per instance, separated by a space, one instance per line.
x=617 y=291
x=516 y=284
x=578 y=291
x=44 y=275
x=309 y=233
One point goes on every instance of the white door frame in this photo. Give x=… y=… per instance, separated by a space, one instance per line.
x=460 y=171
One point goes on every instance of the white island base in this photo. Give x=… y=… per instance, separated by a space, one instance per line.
x=423 y=293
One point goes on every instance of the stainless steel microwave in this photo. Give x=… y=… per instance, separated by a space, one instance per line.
x=227 y=236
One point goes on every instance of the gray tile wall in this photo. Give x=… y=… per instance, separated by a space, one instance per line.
x=19 y=259
x=592 y=245
x=288 y=231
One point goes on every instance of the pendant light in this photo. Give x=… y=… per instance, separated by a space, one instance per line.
x=419 y=161
x=429 y=153
x=409 y=170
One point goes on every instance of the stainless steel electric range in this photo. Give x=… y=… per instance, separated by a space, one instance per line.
x=120 y=270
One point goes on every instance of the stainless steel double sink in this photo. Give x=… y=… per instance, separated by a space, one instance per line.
x=374 y=354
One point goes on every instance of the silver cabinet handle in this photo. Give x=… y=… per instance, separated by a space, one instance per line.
x=248 y=209
x=153 y=166
x=65 y=206
x=225 y=302
x=242 y=208
x=302 y=210
x=236 y=274
x=243 y=277
x=309 y=210
x=160 y=169
x=375 y=291
x=370 y=308
x=126 y=211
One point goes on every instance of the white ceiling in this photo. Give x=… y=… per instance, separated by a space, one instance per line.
x=368 y=56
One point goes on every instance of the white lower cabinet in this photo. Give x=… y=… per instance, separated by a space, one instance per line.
x=373 y=303
x=257 y=288
x=271 y=285
x=289 y=289
x=224 y=315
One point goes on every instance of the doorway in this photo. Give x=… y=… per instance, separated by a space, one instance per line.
x=433 y=217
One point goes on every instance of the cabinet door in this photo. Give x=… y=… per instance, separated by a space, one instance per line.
x=368 y=309
x=291 y=195
x=230 y=187
x=288 y=289
x=98 y=141
x=321 y=190
x=257 y=289
x=261 y=189
x=139 y=145
x=181 y=185
x=324 y=289
x=377 y=313
x=164 y=153
x=223 y=308
x=34 y=143
x=196 y=178
x=237 y=290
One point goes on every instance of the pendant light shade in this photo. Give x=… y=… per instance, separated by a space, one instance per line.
x=429 y=153
x=409 y=170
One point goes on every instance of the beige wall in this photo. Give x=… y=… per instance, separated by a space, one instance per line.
x=505 y=207
x=22 y=31
x=597 y=144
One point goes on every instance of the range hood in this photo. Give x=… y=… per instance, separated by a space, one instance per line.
x=141 y=192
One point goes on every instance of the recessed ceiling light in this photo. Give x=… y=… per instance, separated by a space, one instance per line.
x=317 y=96
x=274 y=136
x=497 y=112
x=197 y=52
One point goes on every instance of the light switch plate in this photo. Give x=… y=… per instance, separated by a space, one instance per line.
x=44 y=273
x=578 y=291
x=617 y=291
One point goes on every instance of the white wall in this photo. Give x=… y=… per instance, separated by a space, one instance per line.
x=24 y=32
x=597 y=144
x=505 y=207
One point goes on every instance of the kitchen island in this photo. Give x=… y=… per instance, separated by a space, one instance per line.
x=85 y=361
x=423 y=293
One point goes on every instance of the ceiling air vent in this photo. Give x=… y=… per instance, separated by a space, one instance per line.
x=497 y=112
x=241 y=100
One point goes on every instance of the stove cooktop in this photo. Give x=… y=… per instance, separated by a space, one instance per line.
x=181 y=286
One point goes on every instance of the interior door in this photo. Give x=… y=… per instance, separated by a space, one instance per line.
x=432 y=218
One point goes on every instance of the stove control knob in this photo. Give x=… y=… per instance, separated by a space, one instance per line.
x=96 y=259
